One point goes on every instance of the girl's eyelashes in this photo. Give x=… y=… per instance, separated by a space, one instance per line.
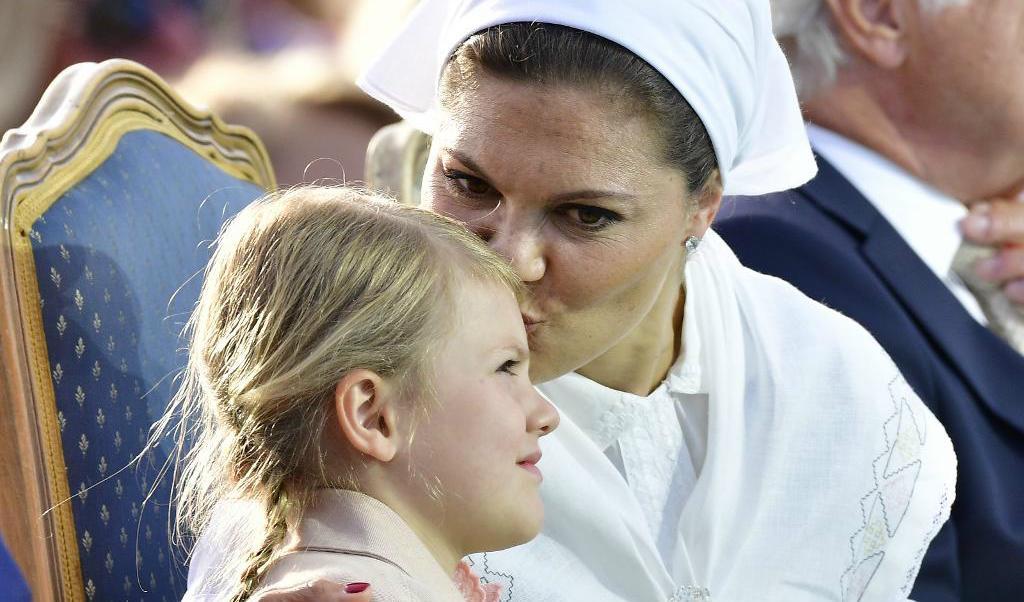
x=467 y=184
x=509 y=367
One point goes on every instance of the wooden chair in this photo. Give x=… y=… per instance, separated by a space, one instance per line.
x=110 y=193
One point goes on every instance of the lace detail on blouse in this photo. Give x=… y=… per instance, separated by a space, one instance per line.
x=659 y=470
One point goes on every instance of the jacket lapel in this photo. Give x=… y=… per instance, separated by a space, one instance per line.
x=990 y=367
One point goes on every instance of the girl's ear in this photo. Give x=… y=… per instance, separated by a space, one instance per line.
x=365 y=408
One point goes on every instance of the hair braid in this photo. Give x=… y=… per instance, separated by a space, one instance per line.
x=259 y=562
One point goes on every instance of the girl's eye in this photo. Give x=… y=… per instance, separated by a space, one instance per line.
x=591 y=218
x=509 y=367
x=468 y=184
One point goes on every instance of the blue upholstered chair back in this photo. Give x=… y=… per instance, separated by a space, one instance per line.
x=110 y=257
x=118 y=257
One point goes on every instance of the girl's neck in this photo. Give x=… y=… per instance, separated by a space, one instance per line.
x=439 y=544
x=443 y=552
x=640 y=362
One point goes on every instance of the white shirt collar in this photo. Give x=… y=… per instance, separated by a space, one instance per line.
x=604 y=413
x=925 y=217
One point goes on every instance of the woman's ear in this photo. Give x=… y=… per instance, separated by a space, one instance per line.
x=708 y=201
x=365 y=407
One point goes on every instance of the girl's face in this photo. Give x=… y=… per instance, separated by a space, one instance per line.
x=479 y=443
x=572 y=190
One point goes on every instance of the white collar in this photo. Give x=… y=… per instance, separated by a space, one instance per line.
x=604 y=413
x=924 y=217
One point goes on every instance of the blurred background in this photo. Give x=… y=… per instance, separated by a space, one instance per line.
x=285 y=68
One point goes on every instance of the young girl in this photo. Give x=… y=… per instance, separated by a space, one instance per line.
x=358 y=374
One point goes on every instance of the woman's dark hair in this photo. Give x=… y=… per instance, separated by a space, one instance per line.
x=554 y=54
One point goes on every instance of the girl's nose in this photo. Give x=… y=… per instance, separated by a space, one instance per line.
x=542 y=418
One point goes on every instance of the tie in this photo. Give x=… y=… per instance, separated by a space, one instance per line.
x=1004 y=318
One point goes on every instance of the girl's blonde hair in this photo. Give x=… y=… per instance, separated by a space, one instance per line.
x=304 y=286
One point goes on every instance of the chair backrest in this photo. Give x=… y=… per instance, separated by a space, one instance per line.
x=395 y=159
x=110 y=195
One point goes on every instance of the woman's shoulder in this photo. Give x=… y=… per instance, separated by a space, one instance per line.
x=801 y=326
x=827 y=356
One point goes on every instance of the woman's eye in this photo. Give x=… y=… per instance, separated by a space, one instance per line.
x=509 y=367
x=468 y=184
x=592 y=218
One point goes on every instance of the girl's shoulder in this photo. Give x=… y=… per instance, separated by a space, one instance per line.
x=389 y=582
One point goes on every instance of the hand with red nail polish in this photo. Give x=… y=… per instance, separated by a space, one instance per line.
x=999 y=223
x=320 y=590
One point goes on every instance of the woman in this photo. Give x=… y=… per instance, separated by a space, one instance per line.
x=722 y=436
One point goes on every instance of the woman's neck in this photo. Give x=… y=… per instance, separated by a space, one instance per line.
x=640 y=362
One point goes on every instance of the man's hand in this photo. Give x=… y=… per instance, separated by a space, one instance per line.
x=999 y=224
x=317 y=591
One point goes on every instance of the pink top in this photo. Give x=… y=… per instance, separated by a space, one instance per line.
x=348 y=536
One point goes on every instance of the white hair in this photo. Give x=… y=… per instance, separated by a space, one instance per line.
x=815 y=52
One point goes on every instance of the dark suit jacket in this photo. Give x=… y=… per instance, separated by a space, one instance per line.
x=832 y=244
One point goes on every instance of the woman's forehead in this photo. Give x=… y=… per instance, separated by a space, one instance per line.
x=505 y=121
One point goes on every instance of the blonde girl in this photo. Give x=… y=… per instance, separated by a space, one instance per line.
x=357 y=375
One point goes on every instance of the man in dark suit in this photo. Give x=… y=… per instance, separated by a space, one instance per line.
x=917 y=109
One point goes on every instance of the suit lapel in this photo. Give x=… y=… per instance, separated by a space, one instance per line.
x=981 y=358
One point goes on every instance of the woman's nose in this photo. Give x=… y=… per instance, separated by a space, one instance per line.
x=543 y=417
x=521 y=246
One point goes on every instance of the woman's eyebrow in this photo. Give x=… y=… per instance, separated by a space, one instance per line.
x=465 y=160
x=585 y=195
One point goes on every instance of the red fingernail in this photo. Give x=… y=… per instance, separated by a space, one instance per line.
x=355 y=588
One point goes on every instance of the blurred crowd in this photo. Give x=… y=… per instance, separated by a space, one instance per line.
x=285 y=68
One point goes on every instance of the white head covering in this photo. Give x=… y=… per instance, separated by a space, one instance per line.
x=720 y=54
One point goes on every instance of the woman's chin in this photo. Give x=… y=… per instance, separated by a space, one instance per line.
x=550 y=362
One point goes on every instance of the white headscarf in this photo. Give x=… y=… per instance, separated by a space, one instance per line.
x=720 y=55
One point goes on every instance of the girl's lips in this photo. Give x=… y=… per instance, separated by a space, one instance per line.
x=529 y=463
x=532 y=468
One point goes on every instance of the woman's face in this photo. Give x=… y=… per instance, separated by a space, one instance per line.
x=571 y=188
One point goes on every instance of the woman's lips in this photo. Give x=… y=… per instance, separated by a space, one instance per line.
x=531 y=323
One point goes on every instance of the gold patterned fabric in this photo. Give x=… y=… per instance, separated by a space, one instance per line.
x=118 y=260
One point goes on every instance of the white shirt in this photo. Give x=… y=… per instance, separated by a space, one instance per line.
x=657 y=442
x=924 y=217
